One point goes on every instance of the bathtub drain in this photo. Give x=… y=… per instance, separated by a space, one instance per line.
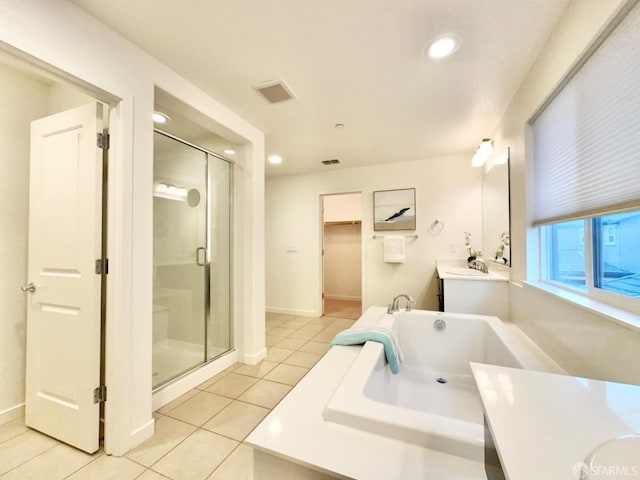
x=441 y=380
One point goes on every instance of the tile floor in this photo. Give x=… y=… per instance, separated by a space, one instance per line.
x=198 y=436
x=351 y=309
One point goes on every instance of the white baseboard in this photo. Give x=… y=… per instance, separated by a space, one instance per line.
x=293 y=311
x=11 y=414
x=342 y=297
x=255 y=358
x=192 y=380
x=141 y=434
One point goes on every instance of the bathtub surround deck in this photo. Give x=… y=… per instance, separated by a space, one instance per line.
x=200 y=435
x=545 y=425
x=297 y=430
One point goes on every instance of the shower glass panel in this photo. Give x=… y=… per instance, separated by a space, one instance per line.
x=218 y=325
x=180 y=279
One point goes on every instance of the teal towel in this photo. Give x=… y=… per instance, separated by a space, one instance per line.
x=358 y=336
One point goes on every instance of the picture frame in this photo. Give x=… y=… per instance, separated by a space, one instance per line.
x=394 y=209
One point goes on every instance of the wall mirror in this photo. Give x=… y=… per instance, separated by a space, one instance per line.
x=496 y=237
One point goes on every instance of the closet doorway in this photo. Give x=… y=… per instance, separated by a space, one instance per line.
x=342 y=255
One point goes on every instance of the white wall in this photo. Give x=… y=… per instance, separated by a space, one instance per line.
x=343 y=261
x=76 y=46
x=583 y=343
x=340 y=208
x=22 y=99
x=447 y=188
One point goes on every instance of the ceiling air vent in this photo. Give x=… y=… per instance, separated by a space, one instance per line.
x=274 y=91
x=333 y=161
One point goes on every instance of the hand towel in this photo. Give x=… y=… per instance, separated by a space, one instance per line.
x=394 y=250
x=359 y=336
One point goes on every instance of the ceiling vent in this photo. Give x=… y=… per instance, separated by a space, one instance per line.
x=274 y=91
x=333 y=161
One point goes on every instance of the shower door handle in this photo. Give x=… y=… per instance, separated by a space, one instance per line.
x=201 y=256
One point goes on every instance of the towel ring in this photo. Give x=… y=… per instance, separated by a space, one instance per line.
x=436 y=226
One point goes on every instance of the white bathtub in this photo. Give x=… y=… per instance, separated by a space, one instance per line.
x=415 y=406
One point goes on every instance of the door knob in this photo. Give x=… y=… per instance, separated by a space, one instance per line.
x=30 y=287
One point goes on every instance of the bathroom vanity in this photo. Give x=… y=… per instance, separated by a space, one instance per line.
x=463 y=290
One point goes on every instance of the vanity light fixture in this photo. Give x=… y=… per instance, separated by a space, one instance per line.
x=482 y=153
x=442 y=46
x=159 y=117
x=229 y=151
x=275 y=159
x=503 y=157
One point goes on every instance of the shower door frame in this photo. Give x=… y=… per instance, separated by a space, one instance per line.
x=207 y=266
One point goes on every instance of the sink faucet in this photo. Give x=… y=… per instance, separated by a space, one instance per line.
x=478 y=264
x=396 y=300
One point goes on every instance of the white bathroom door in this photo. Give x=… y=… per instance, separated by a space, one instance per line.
x=63 y=314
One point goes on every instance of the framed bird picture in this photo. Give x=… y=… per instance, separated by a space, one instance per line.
x=394 y=209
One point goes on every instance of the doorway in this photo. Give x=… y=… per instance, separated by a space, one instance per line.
x=342 y=255
x=53 y=194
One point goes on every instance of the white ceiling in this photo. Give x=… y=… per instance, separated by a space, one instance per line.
x=356 y=62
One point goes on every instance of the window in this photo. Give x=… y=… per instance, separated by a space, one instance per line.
x=614 y=262
x=585 y=171
x=617 y=253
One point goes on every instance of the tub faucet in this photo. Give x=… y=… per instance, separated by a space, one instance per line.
x=396 y=300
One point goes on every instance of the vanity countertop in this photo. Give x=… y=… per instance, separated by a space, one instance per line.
x=544 y=425
x=457 y=269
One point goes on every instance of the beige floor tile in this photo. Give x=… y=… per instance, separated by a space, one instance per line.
x=23 y=447
x=237 y=420
x=342 y=323
x=107 y=467
x=168 y=433
x=195 y=458
x=12 y=429
x=325 y=336
x=290 y=343
x=177 y=402
x=151 y=475
x=237 y=466
x=312 y=327
x=54 y=464
x=232 y=385
x=206 y=384
x=233 y=367
x=265 y=394
x=315 y=347
x=271 y=340
x=288 y=374
x=303 y=359
x=258 y=371
x=302 y=335
x=275 y=354
x=199 y=408
x=282 y=332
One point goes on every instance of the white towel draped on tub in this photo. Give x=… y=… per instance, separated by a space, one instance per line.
x=394 y=251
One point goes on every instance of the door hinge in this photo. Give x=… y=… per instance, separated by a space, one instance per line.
x=102 y=266
x=100 y=394
x=322 y=295
x=103 y=141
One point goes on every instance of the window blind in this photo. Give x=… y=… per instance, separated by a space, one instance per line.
x=586 y=140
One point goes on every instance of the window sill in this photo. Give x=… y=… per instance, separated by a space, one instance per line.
x=621 y=317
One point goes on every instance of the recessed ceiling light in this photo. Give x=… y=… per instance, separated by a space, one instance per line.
x=442 y=46
x=159 y=117
x=275 y=159
x=228 y=151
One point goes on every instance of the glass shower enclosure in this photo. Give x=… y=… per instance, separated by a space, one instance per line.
x=192 y=213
